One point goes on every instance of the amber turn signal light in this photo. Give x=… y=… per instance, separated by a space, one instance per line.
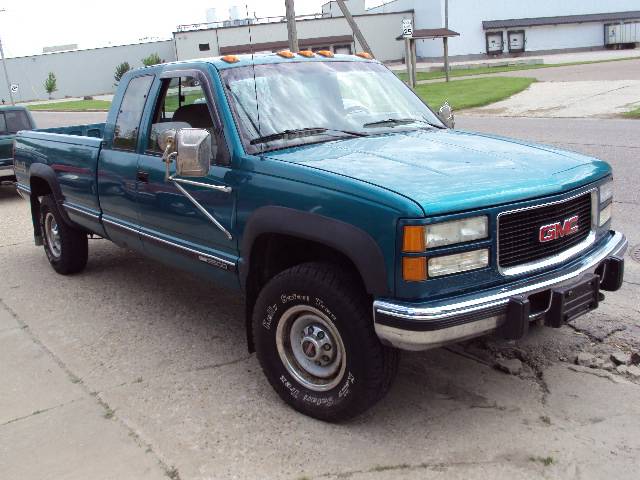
x=413 y=239
x=286 y=54
x=230 y=59
x=414 y=269
x=306 y=53
x=325 y=53
x=364 y=55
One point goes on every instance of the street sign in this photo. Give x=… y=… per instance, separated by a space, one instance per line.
x=407 y=28
x=14 y=88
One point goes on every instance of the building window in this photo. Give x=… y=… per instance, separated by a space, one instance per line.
x=344 y=49
x=204 y=47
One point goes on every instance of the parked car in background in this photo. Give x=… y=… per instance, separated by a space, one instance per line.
x=12 y=120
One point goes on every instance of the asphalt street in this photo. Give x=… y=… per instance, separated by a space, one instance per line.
x=602 y=90
x=133 y=370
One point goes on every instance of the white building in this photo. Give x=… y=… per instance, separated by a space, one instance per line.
x=486 y=27
x=503 y=27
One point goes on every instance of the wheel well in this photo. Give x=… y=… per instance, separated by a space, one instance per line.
x=39 y=187
x=272 y=253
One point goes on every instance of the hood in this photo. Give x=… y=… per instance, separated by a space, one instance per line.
x=446 y=171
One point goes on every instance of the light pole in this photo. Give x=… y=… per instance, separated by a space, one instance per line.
x=291 y=26
x=4 y=65
x=446 y=40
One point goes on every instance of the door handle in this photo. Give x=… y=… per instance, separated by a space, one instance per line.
x=142 y=176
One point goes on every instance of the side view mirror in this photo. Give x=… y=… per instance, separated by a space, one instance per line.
x=191 y=149
x=445 y=114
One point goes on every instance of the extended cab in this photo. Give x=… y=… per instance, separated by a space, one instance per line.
x=352 y=219
x=12 y=120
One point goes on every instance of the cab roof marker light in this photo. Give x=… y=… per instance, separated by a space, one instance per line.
x=306 y=53
x=325 y=53
x=230 y=59
x=286 y=54
x=366 y=55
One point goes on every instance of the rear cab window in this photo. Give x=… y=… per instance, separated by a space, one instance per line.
x=12 y=121
x=127 y=126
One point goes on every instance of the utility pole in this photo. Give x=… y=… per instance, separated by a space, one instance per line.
x=291 y=26
x=446 y=40
x=4 y=65
x=354 y=27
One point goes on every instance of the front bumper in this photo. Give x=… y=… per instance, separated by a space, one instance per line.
x=420 y=326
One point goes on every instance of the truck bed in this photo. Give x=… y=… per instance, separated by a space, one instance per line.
x=72 y=153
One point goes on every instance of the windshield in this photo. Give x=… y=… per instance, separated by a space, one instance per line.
x=310 y=102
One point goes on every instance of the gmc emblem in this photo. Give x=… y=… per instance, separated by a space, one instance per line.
x=557 y=230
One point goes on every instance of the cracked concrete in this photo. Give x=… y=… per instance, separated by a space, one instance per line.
x=163 y=355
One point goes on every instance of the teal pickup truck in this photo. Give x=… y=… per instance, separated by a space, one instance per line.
x=12 y=120
x=352 y=219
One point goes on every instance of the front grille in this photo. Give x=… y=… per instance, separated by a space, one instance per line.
x=518 y=232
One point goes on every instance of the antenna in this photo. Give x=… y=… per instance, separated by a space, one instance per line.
x=253 y=67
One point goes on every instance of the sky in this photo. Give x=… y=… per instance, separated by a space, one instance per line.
x=27 y=26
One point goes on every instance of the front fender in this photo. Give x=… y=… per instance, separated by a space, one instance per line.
x=349 y=240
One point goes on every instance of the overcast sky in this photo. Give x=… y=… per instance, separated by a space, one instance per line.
x=26 y=26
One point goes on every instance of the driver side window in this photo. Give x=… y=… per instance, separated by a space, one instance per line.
x=182 y=104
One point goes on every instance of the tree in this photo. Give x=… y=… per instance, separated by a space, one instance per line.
x=152 y=59
x=51 y=84
x=121 y=69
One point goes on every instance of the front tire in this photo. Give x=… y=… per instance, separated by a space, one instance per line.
x=67 y=248
x=315 y=341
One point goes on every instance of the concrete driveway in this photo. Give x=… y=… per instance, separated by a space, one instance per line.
x=132 y=370
x=591 y=90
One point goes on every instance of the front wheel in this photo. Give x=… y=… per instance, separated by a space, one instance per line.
x=67 y=248
x=315 y=341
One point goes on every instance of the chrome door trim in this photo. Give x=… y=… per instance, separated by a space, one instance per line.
x=203 y=257
x=202 y=209
x=75 y=209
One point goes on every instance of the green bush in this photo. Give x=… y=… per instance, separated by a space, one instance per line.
x=121 y=69
x=51 y=84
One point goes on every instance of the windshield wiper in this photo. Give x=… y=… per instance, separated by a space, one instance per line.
x=393 y=122
x=302 y=132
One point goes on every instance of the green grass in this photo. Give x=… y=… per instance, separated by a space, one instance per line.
x=474 y=92
x=73 y=106
x=633 y=113
x=488 y=70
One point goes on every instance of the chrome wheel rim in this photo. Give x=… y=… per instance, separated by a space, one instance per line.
x=311 y=348
x=52 y=232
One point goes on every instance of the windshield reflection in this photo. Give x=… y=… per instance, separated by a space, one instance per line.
x=361 y=98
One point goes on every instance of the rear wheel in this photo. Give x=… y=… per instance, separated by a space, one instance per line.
x=315 y=341
x=67 y=248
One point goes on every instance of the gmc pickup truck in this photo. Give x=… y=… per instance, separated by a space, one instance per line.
x=352 y=219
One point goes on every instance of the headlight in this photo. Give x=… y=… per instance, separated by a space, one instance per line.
x=605 y=214
x=456 y=231
x=606 y=191
x=458 y=262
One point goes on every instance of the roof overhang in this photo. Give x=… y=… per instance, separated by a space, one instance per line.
x=560 y=20
x=430 y=33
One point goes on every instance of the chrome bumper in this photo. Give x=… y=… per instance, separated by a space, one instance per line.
x=420 y=326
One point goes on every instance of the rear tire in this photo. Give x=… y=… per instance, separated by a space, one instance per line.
x=315 y=341
x=67 y=248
